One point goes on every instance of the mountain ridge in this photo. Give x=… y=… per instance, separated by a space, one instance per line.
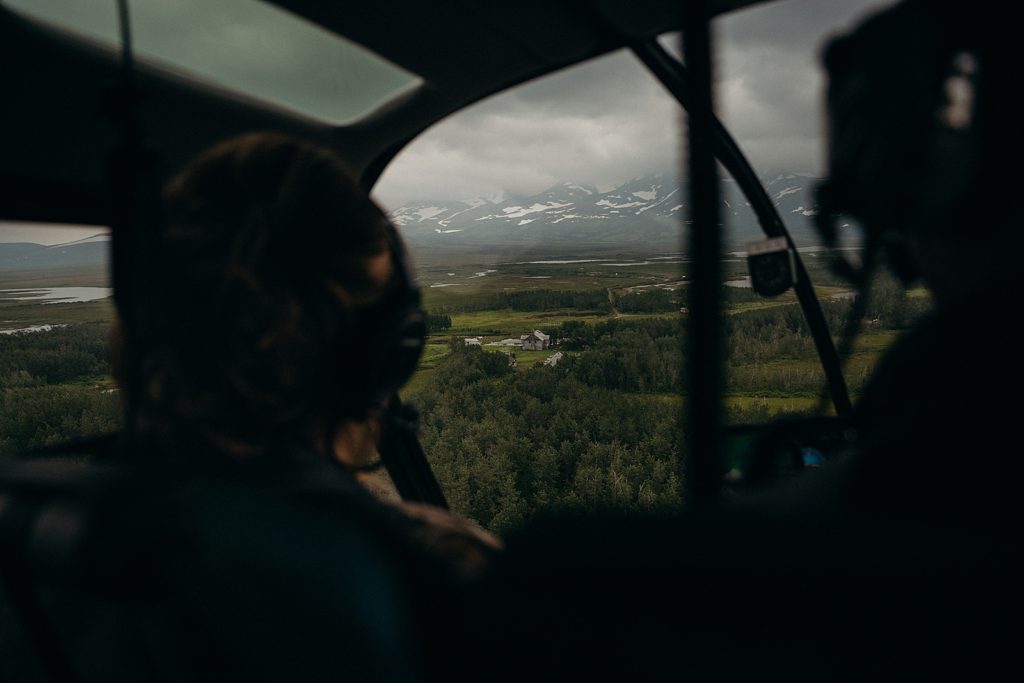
x=89 y=252
x=641 y=213
x=645 y=208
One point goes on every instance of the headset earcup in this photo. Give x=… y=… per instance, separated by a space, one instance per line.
x=396 y=354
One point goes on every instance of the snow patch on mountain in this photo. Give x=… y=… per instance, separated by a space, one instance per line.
x=613 y=205
x=429 y=212
x=573 y=186
x=639 y=209
x=789 y=190
x=659 y=202
x=518 y=211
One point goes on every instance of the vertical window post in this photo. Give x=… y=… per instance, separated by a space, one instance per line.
x=703 y=339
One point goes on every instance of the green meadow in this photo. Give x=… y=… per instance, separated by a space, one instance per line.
x=507 y=441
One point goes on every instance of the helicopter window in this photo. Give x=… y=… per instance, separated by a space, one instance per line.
x=546 y=211
x=55 y=315
x=770 y=98
x=247 y=46
x=544 y=226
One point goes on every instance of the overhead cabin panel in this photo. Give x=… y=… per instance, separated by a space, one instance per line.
x=58 y=137
x=58 y=134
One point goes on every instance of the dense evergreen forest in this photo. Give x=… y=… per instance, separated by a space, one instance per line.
x=602 y=428
x=506 y=444
x=55 y=386
x=532 y=300
x=438 y=322
x=599 y=430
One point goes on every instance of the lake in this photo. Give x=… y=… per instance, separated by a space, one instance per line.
x=57 y=295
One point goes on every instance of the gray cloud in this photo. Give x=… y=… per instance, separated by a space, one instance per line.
x=609 y=120
x=601 y=122
x=770 y=83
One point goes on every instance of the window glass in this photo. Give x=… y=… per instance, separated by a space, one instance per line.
x=545 y=226
x=545 y=223
x=55 y=315
x=770 y=97
x=245 y=45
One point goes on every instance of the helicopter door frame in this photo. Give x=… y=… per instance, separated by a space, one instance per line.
x=674 y=75
x=691 y=84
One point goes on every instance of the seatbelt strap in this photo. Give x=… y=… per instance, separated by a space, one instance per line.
x=403 y=456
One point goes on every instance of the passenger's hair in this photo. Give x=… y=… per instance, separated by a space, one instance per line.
x=263 y=267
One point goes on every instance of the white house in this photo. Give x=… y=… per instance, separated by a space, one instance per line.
x=471 y=341
x=518 y=343
x=553 y=359
x=535 y=341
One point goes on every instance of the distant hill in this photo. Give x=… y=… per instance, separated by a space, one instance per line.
x=643 y=210
x=642 y=213
x=93 y=251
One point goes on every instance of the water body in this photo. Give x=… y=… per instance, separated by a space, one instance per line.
x=582 y=260
x=33 y=328
x=638 y=263
x=608 y=262
x=57 y=295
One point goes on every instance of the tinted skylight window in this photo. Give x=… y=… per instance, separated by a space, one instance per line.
x=245 y=45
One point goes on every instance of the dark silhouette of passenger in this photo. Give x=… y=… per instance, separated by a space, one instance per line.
x=248 y=545
x=921 y=130
x=279 y=285
x=912 y=537
x=900 y=561
x=902 y=558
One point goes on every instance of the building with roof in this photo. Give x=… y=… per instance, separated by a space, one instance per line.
x=535 y=341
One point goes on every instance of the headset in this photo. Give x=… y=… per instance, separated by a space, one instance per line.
x=397 y=334
x=396 y=330
x=904 y=132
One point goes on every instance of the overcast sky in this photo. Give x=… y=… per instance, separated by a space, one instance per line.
x=607 y=121
x=600 y=123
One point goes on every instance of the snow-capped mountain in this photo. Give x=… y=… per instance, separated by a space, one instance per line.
x=647 y=208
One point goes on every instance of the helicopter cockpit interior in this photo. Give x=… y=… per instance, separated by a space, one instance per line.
x=650 y=384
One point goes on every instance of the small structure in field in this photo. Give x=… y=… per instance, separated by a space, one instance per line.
x=471 y=341
x=553 y=359
x=535 y=341
x=506 y=342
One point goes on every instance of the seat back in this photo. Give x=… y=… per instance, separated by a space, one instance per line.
x=115 y=573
